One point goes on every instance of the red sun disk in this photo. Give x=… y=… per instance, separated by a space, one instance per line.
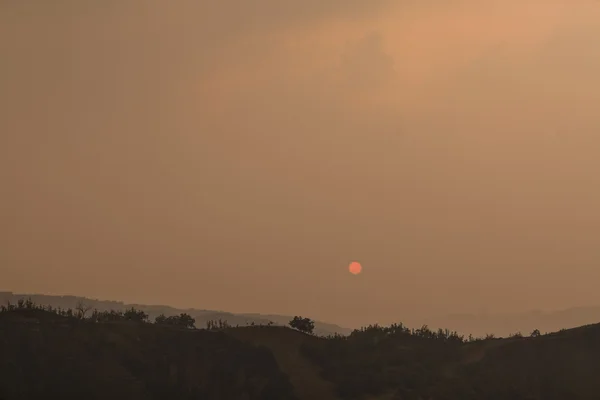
x=355 y=268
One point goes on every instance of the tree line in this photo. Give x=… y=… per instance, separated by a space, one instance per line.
x=85 y=312
x=302 y=324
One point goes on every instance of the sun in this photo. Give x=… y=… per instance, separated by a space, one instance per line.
x=355 y=268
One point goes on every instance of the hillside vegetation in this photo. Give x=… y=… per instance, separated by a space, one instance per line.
x=45 y=355
x=202 y=317
x=82 y=353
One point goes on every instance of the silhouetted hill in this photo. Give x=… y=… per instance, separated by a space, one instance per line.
x=201 y=316
x=286 y=345
x=564 y=365
x=44 y=355
x=64 y=354
x=394 y=363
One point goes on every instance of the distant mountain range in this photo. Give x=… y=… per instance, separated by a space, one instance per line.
x=525 y=322
x=479 y=325
x=201 y=316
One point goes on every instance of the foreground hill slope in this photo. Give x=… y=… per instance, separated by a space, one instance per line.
x=44 y=355
x=564 y=365
x=286 y=345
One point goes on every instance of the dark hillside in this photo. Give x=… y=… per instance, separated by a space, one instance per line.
x=44 y=355
x=377 y=360
x=564 y=365
x=436 y=365
x=79 y=354
x=286 y=344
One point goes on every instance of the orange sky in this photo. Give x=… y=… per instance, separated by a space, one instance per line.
x=230 y=156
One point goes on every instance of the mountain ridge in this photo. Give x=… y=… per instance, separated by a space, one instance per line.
x=202 y=316
x=499 y=324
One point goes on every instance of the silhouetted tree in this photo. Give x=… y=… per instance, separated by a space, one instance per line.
x=182 y=320
x=305 y=325
x=216 y=325
x=29 y=304
x=132 y=314
x=160 y=320
x=107 y=316
x=82 y=309
x=535 y=333
x=186 y=320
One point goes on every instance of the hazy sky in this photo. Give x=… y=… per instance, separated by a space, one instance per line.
x=237 y=155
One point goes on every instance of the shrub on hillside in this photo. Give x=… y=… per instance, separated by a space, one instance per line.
x=182 y=320
x=305 y=325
